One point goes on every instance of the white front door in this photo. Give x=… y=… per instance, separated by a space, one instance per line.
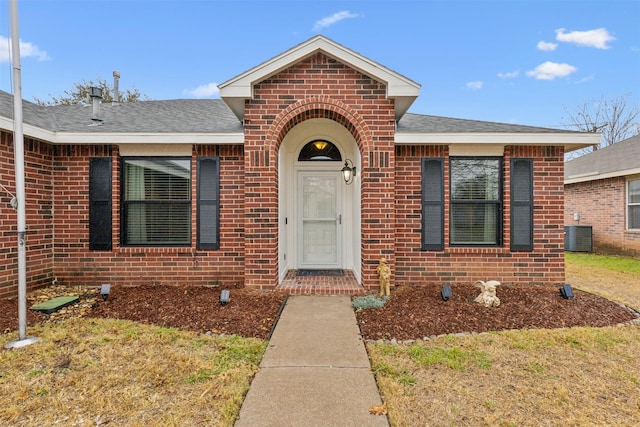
x=319 y=220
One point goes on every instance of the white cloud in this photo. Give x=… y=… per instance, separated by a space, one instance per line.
x=27 y=50
x=509 y=75
x=475 y=85
x=546 y=46
x=551 y=71
x=209 y=90
x=586 y=79
x=330 y=20
x=593 y=38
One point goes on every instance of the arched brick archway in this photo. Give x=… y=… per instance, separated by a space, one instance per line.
x=373 y=135
x=340 y=245
x=321 y=108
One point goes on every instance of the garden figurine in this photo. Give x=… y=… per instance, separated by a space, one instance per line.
x=488 y=296
x=384 y=273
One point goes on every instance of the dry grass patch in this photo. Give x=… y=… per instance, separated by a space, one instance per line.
x=113 y=372
x=614 y=278
x=577 y=376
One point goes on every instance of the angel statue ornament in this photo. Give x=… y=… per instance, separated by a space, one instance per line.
x=488 y=296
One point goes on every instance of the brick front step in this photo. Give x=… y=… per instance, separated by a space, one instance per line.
x=320 y=285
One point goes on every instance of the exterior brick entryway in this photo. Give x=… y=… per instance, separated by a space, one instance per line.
x=320 y=285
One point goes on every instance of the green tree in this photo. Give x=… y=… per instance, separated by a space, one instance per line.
x=80 y=94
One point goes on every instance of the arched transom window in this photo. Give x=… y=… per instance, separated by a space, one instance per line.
x=320 y=150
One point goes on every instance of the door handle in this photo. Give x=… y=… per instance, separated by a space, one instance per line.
x=340 y=219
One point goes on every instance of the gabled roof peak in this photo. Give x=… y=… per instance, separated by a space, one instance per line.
x=236 y=90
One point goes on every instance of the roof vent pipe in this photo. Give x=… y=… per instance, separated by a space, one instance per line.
x=116 y=92
x=95 y=93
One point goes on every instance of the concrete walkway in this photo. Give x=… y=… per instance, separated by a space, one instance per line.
x=315 y=371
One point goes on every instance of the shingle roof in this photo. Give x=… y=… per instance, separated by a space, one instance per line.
x=171 y=116
x=210 y=116
x=420 y=123
x=620 y=159
x=33 y=114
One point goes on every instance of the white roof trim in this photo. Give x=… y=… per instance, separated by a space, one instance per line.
x=125 y=137
x=241 y=87
x=149 y=138
x=571 y=141
x=594 y=176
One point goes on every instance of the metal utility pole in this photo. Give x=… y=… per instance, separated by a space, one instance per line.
x=18 y=150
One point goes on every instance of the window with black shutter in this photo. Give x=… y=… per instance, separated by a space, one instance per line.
x=156 y=201
x=432 y=204
x=100 y=203
x=476 y=201
x=521 y=204
x=208 y=203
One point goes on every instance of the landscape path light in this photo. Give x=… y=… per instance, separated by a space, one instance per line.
x=105 y=290
x=224 y=297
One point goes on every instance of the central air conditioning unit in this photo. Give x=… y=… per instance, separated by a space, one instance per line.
x=578 y=238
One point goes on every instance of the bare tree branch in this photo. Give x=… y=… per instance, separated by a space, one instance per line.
x=614 y=118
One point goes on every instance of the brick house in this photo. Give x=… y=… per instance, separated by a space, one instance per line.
x=602 y=190
x=248 y=188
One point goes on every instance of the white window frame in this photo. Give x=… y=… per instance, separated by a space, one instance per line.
x=629 y=204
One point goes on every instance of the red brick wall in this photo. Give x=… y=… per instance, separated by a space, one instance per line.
x=76 y=264
x=602 y=205
x=318 y=87
x=38 y=193
x=544 y=265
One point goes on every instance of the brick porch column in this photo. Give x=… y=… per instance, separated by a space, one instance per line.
x=378 y=209
x=261 y=213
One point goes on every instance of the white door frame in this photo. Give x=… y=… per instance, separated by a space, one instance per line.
x=334 y=218
x=288 y=169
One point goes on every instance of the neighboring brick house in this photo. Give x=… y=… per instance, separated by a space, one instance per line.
x=243 y=189
x=602 y=190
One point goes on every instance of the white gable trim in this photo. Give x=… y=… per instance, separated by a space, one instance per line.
x=239 y=88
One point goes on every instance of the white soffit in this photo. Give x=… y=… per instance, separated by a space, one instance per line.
x=570 y=141
x=239 y=88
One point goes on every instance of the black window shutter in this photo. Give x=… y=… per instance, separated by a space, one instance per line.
x=521 y=204
x=208 y=203
x=433 y=203
x=100 y=203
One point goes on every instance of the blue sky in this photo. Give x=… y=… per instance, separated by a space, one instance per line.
x=523 y=62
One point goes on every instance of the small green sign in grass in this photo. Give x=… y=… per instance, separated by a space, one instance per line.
x=55 y=304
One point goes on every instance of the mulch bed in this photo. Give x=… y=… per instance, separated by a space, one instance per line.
x=419 y=312
x=249 y=313
x=411 y=312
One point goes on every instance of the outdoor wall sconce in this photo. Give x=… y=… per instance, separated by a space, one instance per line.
x=104 y=291
x=566 y=292
x=224 y=297
x=348 y=171
x=446 y=292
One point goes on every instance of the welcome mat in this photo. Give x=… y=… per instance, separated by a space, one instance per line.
x=330 y=273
